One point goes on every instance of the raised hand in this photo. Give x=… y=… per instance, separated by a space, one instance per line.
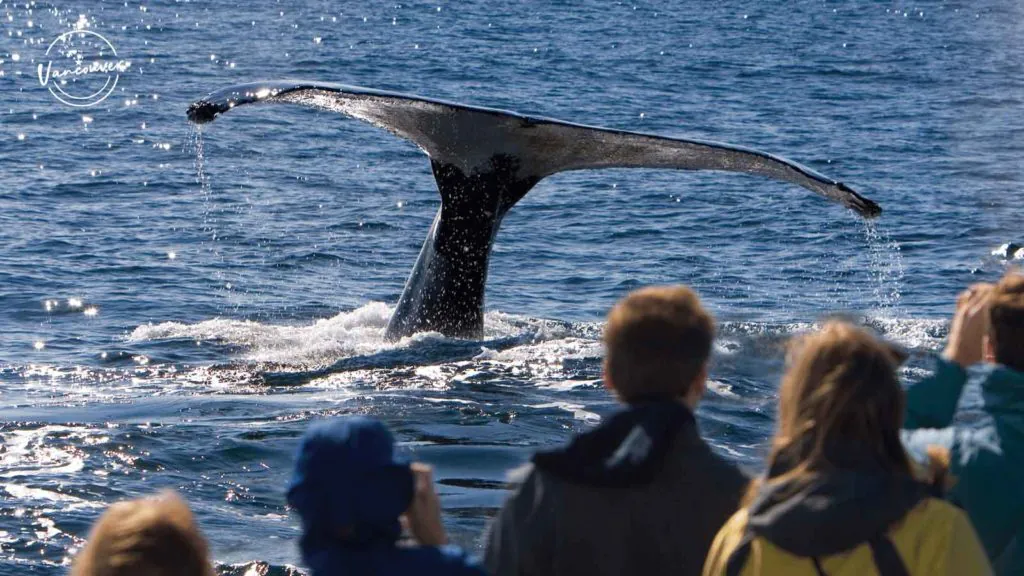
x=970 y=326
x=424 y=513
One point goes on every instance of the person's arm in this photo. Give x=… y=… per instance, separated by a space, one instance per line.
x=520 y=532
x=931 y=403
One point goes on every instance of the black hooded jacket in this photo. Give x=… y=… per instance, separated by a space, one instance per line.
x=640 y=494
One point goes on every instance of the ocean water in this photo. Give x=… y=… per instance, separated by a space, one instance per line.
x=176 y=306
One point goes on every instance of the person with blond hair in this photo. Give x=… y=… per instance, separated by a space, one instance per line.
x=839 y=496
x=151 y=536
x=641 y=493
x=987 y=457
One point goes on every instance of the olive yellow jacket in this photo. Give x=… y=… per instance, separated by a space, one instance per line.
x=935 y=539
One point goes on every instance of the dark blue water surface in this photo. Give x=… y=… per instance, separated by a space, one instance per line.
x=158 y=333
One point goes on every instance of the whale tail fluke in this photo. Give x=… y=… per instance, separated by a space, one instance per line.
x=484 y=161
x=472 y=138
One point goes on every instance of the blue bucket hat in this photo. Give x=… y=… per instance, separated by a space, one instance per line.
x=347 y=480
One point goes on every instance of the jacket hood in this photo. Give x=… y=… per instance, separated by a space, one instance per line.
x=348 y=487
x=838 y=510
x=627 y=449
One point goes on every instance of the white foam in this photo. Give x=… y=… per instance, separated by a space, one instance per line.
x=721 y=389
x=358 y=332
x=927 y=333
x=566 y=385
x=542 y=357
x=547 y=352
x=576 y=410
x=354 y=333
x=30 y=453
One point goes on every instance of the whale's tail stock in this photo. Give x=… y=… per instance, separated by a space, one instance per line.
x=484 y=161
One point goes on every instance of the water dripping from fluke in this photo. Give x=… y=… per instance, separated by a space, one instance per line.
x=886 y=268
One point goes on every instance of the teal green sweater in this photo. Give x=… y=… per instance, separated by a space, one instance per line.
x=986 y=456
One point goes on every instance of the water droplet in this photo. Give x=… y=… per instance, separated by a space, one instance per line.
x=21 y=136
x=39 y=345
x=172 y=255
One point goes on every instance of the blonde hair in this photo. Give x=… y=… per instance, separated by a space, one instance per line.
x=1006 y=321
x=840 y=385
x=658 y=339
x=152 y=536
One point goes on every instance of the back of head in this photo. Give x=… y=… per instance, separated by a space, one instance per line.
x=840 y=390
x=348 y=484
x=1007 y=321
x=658 y=341
x=156 y=537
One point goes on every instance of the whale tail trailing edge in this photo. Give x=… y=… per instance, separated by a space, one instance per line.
x=486 y=160
x=468 y=137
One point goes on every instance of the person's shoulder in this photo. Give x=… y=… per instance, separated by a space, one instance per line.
x=930 y=521
x=936 y=510
x=1001 y=373
x=934 y=534
x=521 y=475
x=933 y=518
x=529 y=481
